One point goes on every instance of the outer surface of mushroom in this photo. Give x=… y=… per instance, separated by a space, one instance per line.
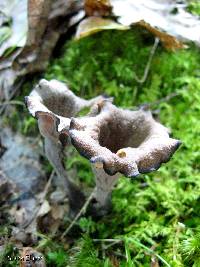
x=129 y=142
x=52 y=103
x=104 y=186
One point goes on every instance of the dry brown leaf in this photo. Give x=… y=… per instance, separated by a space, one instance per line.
x=46 y=22
x=38 y=11
x=44 y=209
x=92 y=25
x=57 y=211
x=95 y=24
x=169 y=41
x=47 y=223
x=182 y=25
x=20 y=215
x=98 y=8
x=49 y=217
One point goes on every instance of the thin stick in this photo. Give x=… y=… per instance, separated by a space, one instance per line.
x=112 y=244
x=147 y=68
x=81 y=212
x=107 y=240
x=12 y=102
x=159 y=101
x=47 y=186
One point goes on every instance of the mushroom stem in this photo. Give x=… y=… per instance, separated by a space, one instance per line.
x=53 y=151
x=104 y=186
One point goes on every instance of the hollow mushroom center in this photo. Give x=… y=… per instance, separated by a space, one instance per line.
x=60 y=105
x=120 y=132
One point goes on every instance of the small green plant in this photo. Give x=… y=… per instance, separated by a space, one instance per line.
x=58 y=258
x=85 y=254
x=190 y=249
x=194 y=7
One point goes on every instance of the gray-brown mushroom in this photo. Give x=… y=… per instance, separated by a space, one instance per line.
x=120 y=141
x=52 y=103
x=129 y=142
x=116 y=141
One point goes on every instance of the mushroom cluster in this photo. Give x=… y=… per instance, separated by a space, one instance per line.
x=115 y=141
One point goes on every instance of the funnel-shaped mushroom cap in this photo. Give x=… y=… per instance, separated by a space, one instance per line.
x=129 y=142
x=52 y=103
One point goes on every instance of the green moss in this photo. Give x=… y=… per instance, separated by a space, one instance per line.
x=19 y=119
x=103 y=63
x=150 y=208
x=9 y=256
x=194 y=7
x=106 y=63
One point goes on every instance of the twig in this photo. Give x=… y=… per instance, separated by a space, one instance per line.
x=46 y=188
x=159 y=101
x=107 y=240
x=81 y=212
x=41 y=200
x=112 y=244
x=119 y=254
x=147 y=68
x=13 y=102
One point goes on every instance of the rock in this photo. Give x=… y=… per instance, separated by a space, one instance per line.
x=20 y=162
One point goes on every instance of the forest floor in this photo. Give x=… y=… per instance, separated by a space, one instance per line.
x=155 y=217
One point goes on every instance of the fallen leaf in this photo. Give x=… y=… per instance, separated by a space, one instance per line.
x=57 y=212
x=98 y=8
x=95 y=24
x=47 y=21
x=182 y=25
x=20 y=215
x=44 y=209
x=169 y=41
x=92 y=25
x=17 y=29
x=51 y=221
